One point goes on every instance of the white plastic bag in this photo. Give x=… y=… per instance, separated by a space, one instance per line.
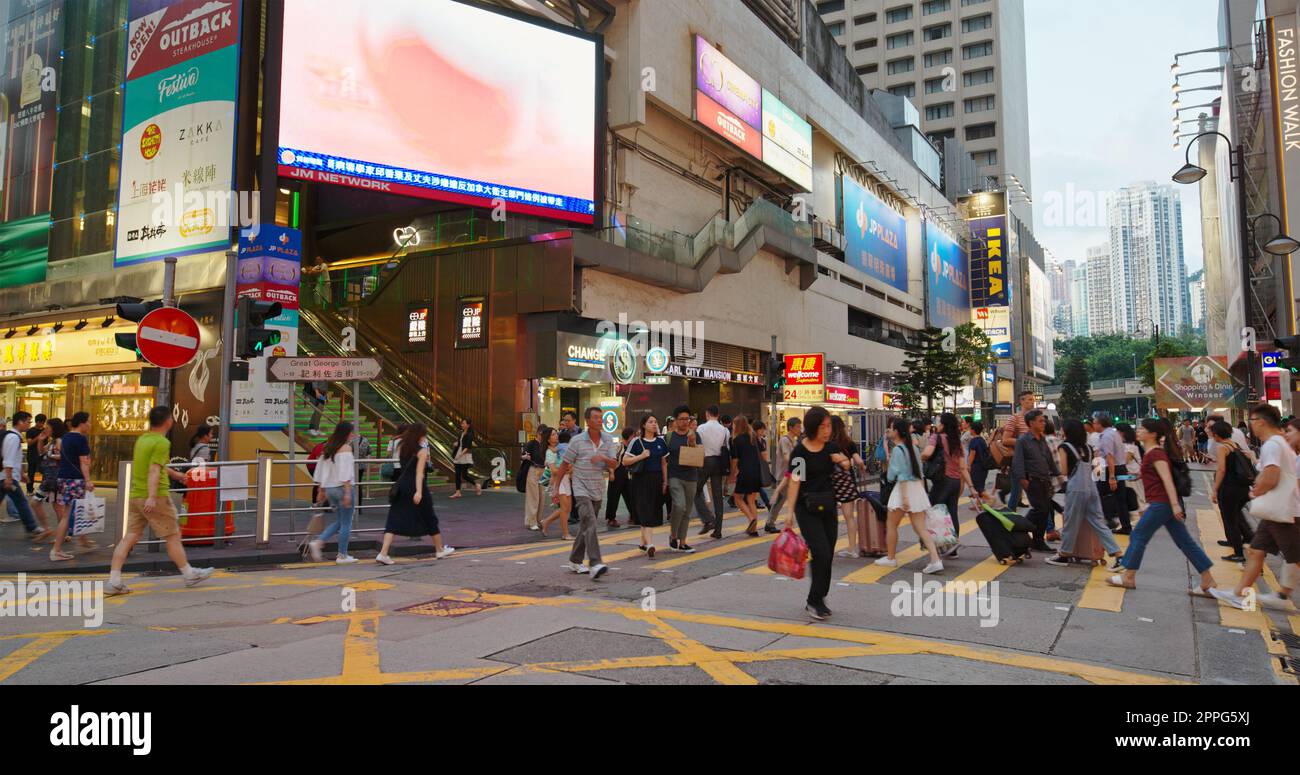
x=88 y=515
x=939 y=524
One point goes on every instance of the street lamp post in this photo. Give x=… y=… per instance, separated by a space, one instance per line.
x=1281 y=245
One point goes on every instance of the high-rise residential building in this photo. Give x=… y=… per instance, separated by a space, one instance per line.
x=1196 y=294
x=961 y=61
x=1059 y=274
x=1078 y=283
x=1148 y=276
x=1100 y=318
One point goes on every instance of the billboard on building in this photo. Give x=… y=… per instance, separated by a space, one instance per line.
x=270 y=263
x=947 y=280
x=876 y=235
x=178 y=138
x=995 y=322
x=441 y=100
x=734 y=106
x=1197 y=384
x=30 y=50
x=1042 y=356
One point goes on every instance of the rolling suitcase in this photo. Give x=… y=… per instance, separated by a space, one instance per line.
x=1087 y=546
x=1008 y=546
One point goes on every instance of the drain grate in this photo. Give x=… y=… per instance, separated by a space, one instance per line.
x=1291 y=641
x=447 y=607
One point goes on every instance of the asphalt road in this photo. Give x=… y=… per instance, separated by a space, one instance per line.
x=508 y=614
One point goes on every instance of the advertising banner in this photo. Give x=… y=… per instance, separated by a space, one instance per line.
x=988 y=264
x=843 y=396
x=471 y=323
x=1042 y=359
x=805 y=379
x=995 y=322
x=876 y=235
x=265 y=263
x=30 y=50
x=722 y=81
x=787 y=141
x=1197 y=384
x=947 y=280
x=47 y=353
x=458 y=103
x=175 y=195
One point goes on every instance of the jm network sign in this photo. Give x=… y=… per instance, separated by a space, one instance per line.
x=876 y=235
x=947 y=279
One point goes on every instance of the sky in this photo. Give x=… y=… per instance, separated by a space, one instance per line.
x=1101 y=113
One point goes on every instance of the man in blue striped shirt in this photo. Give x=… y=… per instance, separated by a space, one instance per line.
x=588 y=460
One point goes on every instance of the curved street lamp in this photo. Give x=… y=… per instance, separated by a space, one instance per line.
x=1281 y=245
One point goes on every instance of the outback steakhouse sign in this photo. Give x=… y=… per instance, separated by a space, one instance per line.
x=178 y=32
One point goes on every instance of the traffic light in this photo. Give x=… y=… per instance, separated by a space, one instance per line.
x=775 y=376
x=251 y=339
x=1292 y=345
x=134 y=312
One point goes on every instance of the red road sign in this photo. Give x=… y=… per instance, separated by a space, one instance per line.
x=168 y=338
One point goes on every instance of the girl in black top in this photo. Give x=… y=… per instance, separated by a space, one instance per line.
x=812 y=498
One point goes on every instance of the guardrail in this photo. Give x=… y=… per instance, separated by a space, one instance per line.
x=254 y=496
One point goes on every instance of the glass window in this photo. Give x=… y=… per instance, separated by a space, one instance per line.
x=903 y=90
x=981 y=131
x=979 y=104
x=836 y=29
x=865 y=44
x=978 y=77
x=937 y=32
x=935 y=6
x=905 y=65
x=901 y=40
x=866 y=18
x=977 y=23
x=900 y=14
x=942 y=110
x=977 y=50
x=937 y=58
x=830 y=6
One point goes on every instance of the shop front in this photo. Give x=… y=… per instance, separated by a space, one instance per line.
x=579 y=378
x=61 y=372
x=667 y=384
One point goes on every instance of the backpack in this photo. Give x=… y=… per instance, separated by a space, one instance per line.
x=1239 y=469
x=315 y=454
x=999 y=453
x=985 y=457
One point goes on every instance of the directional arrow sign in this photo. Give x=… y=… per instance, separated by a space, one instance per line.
x=323 y=369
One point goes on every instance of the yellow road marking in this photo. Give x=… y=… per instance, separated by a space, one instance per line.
x=873 y=573
x=1097 y=594
x=42 y=644
x=687 y=559
x=763 y=570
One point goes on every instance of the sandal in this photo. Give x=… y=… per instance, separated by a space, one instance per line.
x=1118 y=581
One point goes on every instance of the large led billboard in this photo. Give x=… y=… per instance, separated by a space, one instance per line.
x=440 y=100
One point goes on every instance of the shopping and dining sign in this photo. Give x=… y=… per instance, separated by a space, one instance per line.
x=1197 y=384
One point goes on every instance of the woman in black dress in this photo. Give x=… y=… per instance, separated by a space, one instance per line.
x=746 y=467
x=647 y=464
x=411 y=509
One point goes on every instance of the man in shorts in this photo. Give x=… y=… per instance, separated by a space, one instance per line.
x=1276 y=469
x=150 y=504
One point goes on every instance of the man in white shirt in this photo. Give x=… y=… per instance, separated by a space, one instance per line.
x=1277 y=468
x=715 y=438
x=11 y=485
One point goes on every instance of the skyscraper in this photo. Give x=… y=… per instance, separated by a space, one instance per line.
x=1079 y=300
x=1148 y=278
x=1100 y=318
x=1196 y=293
x=961 y=61
x=1059 y=274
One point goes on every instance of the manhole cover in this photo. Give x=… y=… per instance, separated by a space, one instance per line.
x=447 y=607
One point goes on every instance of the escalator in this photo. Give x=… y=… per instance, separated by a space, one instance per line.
x=401 y=394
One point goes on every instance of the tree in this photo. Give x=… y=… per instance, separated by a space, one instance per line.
x=973 y=356
x=1114 y=356
x=929 y=370
x=1075 y=401
x=1168 y=348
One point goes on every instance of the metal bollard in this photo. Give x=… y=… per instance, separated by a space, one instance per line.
x=118 y=520
x=264 y=479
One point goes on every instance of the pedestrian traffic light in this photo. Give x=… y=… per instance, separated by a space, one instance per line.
x=1290 y=364
x=133 y=312
x=775 y=376
x=251 y=339
x=1292 y=345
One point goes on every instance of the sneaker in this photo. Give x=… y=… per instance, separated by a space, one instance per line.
x=383 y=559
x=447 y=551
x=198 y=575
x=1234 y=558
x=314 y=548
x=1224 y=544
x=932 y=568
x=685 y=549
x=815 y=613
x=951 y=554
x=344 y=559
x=1117 y=566
x=672 y=545
x=578 y=569
x=598 y=570
x=1059 y=560
x=825 y=611
x=846 y=554
x=1228 y=596
x=708 y=528
x=650 y=552
x=885 y=562
x=5 y=519
x=113 y=590
x=1274 y=601
x=533 y=527
x=770 y=529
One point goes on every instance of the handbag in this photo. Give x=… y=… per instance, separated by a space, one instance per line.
x=639 y=465
x=844 y=484
x=691 y=457
x=934 y=467
x=939 y=524
x=88 y=516
x=521 y=478
x=1275 y=505
x=788 y=556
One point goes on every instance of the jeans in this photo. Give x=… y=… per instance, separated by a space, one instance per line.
x=820 y=534
x=586 y=543
x=1156 y=516
x=343 y=525
x=683 y=494
x=1013 y=497
x=19 y=507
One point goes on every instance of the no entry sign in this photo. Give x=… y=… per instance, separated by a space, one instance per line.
x=168 y=338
